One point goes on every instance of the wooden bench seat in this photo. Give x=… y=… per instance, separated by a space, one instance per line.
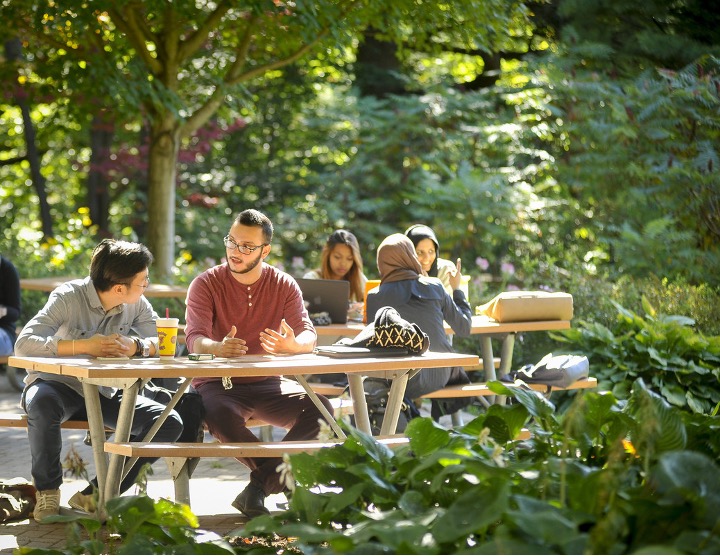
x=481 y=389
x=231 y=449
x=327 y=390
x=341 y=406
x=19 y=420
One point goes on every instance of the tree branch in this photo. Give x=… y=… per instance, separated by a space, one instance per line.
x=299 y=53
x=195 y=40
x=136 y=37
x=234 y=76
x=242 y=50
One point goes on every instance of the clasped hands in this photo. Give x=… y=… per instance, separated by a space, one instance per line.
x=101 y=345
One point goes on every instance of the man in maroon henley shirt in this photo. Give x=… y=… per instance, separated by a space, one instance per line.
x=245 y=306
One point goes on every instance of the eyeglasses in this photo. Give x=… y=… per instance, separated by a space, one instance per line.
x=230 y=243
x=144 y=285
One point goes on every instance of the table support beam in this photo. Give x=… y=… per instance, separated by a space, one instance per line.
x=321 y=407
x=122 y=434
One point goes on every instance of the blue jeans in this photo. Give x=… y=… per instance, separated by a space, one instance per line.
x=6 y=343
x=48 y=404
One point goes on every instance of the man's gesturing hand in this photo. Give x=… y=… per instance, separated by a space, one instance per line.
x=276 y=342
x=231 y=346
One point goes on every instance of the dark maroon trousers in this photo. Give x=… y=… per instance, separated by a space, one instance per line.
x=276 y=401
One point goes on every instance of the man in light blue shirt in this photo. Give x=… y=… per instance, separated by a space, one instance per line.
x=103 y=315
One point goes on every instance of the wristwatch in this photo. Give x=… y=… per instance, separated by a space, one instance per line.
x=142 y=348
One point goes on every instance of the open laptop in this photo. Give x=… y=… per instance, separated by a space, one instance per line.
x=330 y=296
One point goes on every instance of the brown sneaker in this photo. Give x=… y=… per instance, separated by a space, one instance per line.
x=83 y=502
x=47 y=504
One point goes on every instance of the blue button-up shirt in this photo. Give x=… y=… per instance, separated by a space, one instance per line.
x=74 y=312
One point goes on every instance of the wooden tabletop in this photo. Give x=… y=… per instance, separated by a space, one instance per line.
x=481 y=324
x=251 y=365
x=50 y=283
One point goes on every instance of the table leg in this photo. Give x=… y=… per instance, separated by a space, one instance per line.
x=357 y=394
x=488 y=362
x=160 y=420
x=394 y=404
x=97 y=432
x=122 y=434
x=507 y=354
x=325 y=413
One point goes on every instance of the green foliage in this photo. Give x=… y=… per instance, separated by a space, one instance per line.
x=626 y=35
x=138 y=525
x=594 y=297
x=676 y=362
x=647 y=144
x=607 y=477
x=566 y=169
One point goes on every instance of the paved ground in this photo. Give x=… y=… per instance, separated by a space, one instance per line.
x=215 y=484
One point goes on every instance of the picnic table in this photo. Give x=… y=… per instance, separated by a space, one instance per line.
x=129 y=375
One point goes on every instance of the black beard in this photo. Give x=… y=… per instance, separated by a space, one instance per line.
x=249 y=267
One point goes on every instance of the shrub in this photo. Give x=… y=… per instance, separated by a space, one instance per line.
x=607 y=477
x=678 y=363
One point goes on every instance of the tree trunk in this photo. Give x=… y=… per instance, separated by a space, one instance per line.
x=164 y=145
x=13 y=52
x=102 y=132
x=377 y=67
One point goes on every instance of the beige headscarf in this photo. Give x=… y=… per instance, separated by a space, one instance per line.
x=396 y=259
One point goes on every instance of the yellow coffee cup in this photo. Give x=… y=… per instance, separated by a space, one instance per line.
x=167 y=331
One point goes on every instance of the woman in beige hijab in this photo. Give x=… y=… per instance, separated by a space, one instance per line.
x=424 y=301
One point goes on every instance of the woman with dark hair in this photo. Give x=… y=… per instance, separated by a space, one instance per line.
x=341 y=260
x=427 y=250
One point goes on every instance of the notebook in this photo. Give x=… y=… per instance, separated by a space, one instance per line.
x=343 y=352
x=329 y=296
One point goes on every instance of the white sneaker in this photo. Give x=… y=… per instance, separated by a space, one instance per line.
x=47 y=503
x=83 y=502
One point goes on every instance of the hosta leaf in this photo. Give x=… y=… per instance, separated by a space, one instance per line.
x=412 y=503
x=697 y=404
x=659 y=426
x=690 y=476
x=345 y=498
x=654 y=354
x=674 y=394
x=538 y=406
x=392 y=530
x=426 y=436
x=472 y=512
x=544 y=523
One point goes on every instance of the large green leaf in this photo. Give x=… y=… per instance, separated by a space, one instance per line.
x=542 y=522
x=690 y=476
x=473 y=511
x=659 y=427
x=426 y=436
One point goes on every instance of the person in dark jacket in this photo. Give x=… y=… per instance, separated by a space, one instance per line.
x=9 y=304
x=422 y=300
